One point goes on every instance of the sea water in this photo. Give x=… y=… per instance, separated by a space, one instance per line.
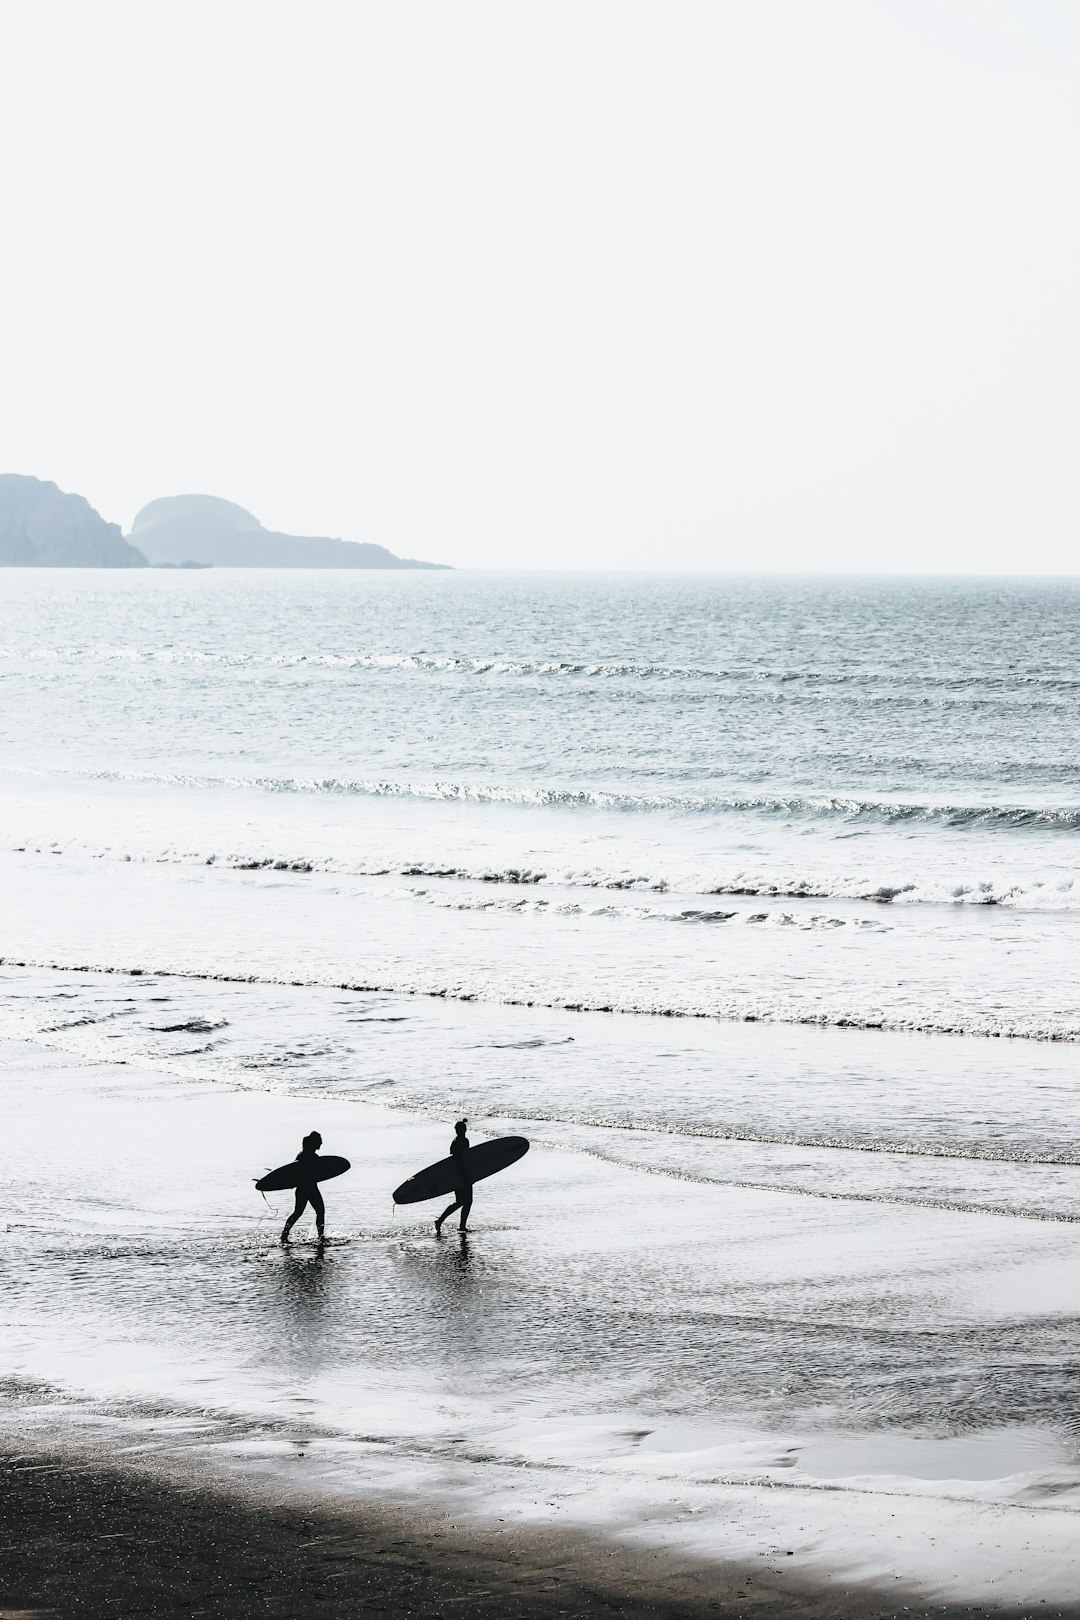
x=752 y=902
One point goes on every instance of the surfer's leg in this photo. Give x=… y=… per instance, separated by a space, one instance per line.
x=465 y=1205
x=320 y=1211
x=439 y=1219
x=298 y=1209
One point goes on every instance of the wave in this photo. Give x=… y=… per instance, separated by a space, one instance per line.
x=442 y=663
x=1051 y=894
x=697 y=916
x=732 y=1010
x=830 y=1194
x=852 y=809
x=979 y=683
x=191 y=1026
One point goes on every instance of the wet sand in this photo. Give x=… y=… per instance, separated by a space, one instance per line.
x=84 y=1539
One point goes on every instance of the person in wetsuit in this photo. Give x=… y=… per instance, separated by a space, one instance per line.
x=307 y=1187
x=458 y=1148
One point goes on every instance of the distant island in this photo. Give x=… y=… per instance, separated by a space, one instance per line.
x=203 y=528
x=42 y=527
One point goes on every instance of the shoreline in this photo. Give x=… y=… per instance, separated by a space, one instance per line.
x=89 y=1537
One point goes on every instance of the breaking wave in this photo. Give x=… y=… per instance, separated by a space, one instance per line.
x=829 y=807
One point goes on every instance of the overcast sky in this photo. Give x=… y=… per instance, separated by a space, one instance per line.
x=737 y=284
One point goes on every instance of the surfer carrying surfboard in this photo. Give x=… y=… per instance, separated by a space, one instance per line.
x=458 y=1149
x=307 y=1190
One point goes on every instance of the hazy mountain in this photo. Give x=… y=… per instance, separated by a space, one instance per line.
x=203 y=528
x=41 y=527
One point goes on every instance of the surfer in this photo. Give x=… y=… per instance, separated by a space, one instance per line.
x=307 y=1188
x=458 y=1148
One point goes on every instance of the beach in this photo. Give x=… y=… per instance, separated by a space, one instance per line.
x=612 y=1355
x=98 y=1539
x=762 y=939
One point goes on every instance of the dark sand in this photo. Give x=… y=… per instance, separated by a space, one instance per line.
x=82 y=1539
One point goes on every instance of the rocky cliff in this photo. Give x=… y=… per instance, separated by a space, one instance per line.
x=205 y=529
x=41 y=527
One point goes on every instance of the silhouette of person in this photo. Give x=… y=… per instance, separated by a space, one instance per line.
x=458 y=1148
x=307 y=1187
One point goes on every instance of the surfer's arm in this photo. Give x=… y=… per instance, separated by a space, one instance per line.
x=458 y=1150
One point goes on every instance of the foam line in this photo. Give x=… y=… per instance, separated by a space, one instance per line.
x=1069 y=1035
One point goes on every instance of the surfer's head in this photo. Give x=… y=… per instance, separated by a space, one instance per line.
x=312 y=1142
x=460 y=1125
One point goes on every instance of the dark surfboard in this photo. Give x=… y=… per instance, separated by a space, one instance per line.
x=327 y=1165
x=446 y=1177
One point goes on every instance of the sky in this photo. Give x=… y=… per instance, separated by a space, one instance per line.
x=740 y=284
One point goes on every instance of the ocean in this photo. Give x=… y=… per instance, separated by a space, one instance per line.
x=753 y=902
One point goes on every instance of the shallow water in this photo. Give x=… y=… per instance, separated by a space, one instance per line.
x=997 y=1454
